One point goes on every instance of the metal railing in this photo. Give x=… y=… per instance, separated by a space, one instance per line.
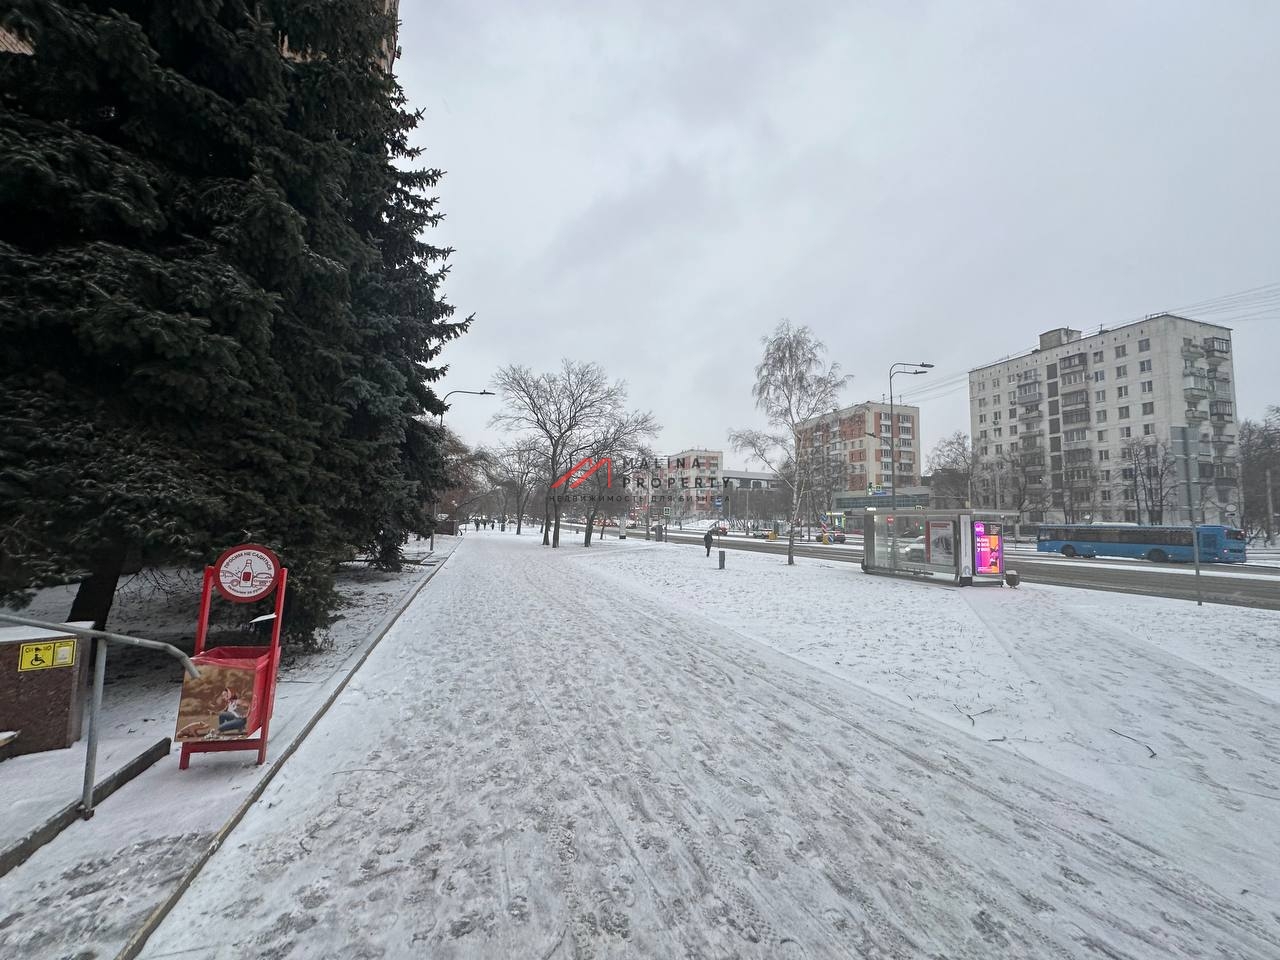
x=99 y=678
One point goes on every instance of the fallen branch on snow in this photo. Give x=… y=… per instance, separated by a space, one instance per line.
x=1139 y=742
x=971 y=715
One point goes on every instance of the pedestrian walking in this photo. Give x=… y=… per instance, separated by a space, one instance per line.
x=706 y=539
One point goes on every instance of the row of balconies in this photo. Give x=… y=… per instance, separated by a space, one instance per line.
x=1212 y=349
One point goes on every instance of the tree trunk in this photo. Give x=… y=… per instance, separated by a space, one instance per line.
x=546 y=524
x=555 y=533
x=521 y=503
x=98 y=591
x=591 y=525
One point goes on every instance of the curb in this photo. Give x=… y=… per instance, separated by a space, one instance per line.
x=20 y=852
x=135 y=944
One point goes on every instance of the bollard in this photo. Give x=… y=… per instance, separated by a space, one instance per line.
x=721 y=559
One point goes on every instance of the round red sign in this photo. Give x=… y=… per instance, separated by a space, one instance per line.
x=246 y=573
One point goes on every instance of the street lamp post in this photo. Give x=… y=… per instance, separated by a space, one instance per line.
x=911 y=369
x=474 y=393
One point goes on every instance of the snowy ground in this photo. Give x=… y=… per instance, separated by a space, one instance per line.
x=625 y=752
x=85 y=893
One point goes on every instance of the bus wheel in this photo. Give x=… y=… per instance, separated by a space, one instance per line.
x=1157 y=556
x=1068 y=551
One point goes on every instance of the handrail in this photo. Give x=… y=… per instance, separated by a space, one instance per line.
x=99 y=679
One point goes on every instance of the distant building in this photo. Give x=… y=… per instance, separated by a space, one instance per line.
x=1090 y=427
x=849 y=450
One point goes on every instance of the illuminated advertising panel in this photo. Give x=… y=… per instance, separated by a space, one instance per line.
x=988 y=548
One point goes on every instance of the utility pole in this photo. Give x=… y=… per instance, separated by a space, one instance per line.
x=1191 y=513
x=1271 y=510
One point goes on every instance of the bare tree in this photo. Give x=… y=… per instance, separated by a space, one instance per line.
x=567 y=411
x=1155 y=476
x=1259 y=445
x=794 y=383
x=951 y=468
x=517 y=470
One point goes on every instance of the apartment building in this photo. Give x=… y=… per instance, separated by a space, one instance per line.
x=1088 y=428
x=854 y=447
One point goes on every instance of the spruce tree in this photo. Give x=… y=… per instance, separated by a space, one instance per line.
x=216 y=309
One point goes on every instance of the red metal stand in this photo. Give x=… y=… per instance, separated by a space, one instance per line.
x=202 y=631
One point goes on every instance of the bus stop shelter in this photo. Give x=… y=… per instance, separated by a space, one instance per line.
x=964 y=547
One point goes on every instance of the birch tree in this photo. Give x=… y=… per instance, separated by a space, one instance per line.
x=794 y=383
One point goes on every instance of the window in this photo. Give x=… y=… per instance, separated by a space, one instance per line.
x=1143 y=346
x=1144 y=366
x=1012 y=378
x=1123 y=413
x=982 y=435
x=995 y=401
x=1126 y=433
x=1148 y=429
x=1148 y=409
x=1122 y=371
x=1013 y=430
x=1100 y=396
x=906 y=417
x=1104 y=455
x=1070 y=378
x=1127 y=454
x=1013 y=413
x=984 y=451
x=999 y=448
x=1105 y=495
x=997 y=431
x=1099 y=376
x=1148 y=386
x=1120 y=351
x=995 y=384
x=995 y=417
x=982 y=402
x=1121 y=392
x=981 y=386
x=1105 y=475
x=1100 y=416
x=982 y=418
x=1097 y=356
x=1102 y=436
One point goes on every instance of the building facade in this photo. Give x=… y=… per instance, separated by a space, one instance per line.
x=1091 y=428
x=866 y=445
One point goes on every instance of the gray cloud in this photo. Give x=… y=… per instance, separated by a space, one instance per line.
x=654 y=185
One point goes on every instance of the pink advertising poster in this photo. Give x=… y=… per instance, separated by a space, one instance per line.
x=988 y=548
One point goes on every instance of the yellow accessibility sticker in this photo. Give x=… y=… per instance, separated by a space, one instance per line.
x=46 y=654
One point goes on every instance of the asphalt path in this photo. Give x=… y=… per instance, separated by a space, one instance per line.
x=1246 y=585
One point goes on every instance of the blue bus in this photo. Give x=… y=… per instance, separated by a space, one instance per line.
x=1218 y=544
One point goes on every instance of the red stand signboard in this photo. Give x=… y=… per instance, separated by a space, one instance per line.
x=229 y=707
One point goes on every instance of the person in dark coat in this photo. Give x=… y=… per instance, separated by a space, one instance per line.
x=706 y=540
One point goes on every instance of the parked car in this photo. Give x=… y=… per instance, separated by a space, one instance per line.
x=719 y=528
x=912 y=549
x=836 y=536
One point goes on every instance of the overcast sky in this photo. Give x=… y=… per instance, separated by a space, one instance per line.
x=654 y=185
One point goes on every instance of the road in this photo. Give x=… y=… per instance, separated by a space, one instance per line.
x=546 y=761
x=1248 y=585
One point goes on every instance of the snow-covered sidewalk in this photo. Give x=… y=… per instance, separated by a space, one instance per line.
x=89 y=891
x=624 y=751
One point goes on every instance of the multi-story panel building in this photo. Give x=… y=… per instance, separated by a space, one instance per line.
x=851 y=448
x=1091 y=428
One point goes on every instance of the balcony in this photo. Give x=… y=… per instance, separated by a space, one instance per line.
x=1216 y=350
x=1196 y=415
x=1192 y=350
x=1027 y=416
x=1034 y=395
x=1223 y=440
x=1196 y=388
x=1226 y=473
x=1221 y=411
x=1075 y=444
x=1079 y=398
